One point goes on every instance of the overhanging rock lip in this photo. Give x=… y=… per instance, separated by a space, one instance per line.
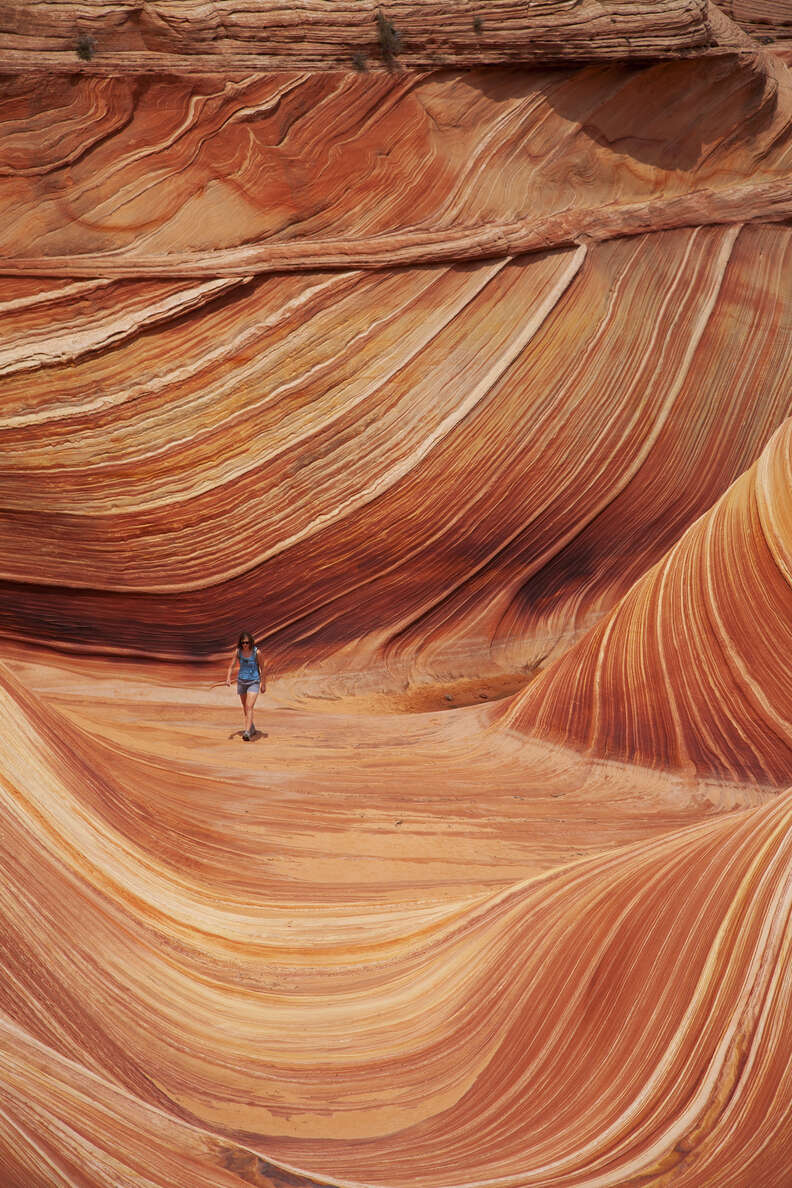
x=274 y=35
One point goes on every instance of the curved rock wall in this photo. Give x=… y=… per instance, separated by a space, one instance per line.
x=691 y=670
x=174 y=177
x=459 y=384
x=626 y=1014
x=219 y=437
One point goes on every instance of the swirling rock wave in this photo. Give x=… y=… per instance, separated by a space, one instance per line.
x=454 y=385
x=210 y=444
x=691 y=669
x=208 y=177
x=623 y=1015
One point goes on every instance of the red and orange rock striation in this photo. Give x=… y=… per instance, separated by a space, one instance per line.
x=459 y=382
x=173 y=177
x=691 y=670
x=768 y=21
x=317 y=35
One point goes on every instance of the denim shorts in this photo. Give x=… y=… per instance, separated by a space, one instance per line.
x=249 y=686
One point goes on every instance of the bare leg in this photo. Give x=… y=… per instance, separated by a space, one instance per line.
x=242 y=697
x=251 y=701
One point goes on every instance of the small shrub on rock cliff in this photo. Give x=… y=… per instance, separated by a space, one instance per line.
x=478 y=24
x=359 y=62
x=86 y=47
x=390 y=41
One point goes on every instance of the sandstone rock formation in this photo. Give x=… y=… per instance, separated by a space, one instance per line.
x=316 y=35
x=693 y=680
x=464 y=383
x=769 y=21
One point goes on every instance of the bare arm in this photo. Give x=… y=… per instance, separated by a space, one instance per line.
x=230 y=667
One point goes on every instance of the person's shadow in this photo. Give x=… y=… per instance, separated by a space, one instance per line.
x=258 y=734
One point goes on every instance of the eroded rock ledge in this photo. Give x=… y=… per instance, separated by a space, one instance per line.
x=185 y=34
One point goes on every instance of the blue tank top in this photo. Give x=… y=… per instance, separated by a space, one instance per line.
x=248 y=666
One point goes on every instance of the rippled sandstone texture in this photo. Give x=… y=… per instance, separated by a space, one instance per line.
x=466 y=381
x=316 y=34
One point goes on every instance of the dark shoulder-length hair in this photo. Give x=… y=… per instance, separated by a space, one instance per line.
x=246 y=635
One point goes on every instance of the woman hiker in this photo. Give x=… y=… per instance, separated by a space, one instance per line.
x=249 y=679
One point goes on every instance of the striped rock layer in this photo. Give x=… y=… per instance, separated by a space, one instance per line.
x=767 y=21
x=216 y=987
x=316 y=35
x=177 y=446
x=693 y=682
x=454 y=386
x=181 y=177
